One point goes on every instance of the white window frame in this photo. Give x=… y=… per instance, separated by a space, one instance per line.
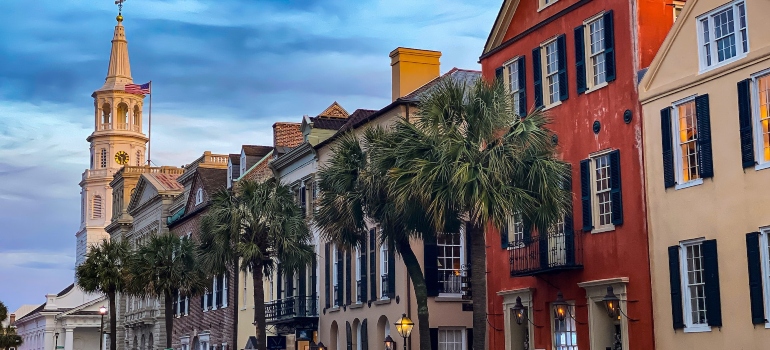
x=591 y=85
x=515 y=228
x=358 y=275
x=690 y=327
x=740 y=33
x=595 y=205
x=547 y=103
x=214 y=294
x=463 y=337
x=543 y=4
x=758 y=136
x=224 y=290
x=335 y=286
x=570 y=323
x=764 y=254
x=511 y=67
x=199 y=196
x=245 y=293
x=384 y=268
x=243 y=163
x=679 y=171
x=461 y=236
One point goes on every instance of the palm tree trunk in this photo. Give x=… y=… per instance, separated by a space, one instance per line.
x=259 y=308
x=169 y=317
x=479 y=285
x=420 y=291
x=113 y=321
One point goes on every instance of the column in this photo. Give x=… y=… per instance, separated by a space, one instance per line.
x=69 y=338
x=48 y=338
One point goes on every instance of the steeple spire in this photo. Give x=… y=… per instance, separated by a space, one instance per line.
x=119 y=71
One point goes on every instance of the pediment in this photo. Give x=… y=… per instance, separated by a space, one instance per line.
x=143 y=192
x=334 y=111
x=502 y=22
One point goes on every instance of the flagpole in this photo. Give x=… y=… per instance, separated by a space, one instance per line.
x=149 y=129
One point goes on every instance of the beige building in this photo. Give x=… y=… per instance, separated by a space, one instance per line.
x=364 y=291
x=707 y=149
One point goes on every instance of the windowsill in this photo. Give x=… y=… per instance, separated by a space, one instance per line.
x=597 y=87
x=552 y=105
x=697 y=329
x=546 y=6
x=687 y=184
x=447 y=297
x=334 y=309
x=723 y=63
x=762 y=166
x=382 y=302
x=606 y=228
x=356 y=306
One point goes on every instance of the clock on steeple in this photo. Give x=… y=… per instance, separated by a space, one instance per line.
x=121 y=158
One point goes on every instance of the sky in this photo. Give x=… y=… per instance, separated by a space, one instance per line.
x=223 y=72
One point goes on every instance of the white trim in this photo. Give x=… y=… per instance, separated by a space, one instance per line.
x=384 y=268
x=542 y=6
x=587 y=54
x=686 y=302
x=677 y=150
x=595 y=212
x=764 y=232
x=739 y=53
x=463 y=335
x=224 y=290
x=547 y=104
x=756 y=123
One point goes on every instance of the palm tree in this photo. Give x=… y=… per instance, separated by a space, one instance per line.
x=353 y=190
x=252 y=228
x=165 y=266
x=8 y=337
x=468 y=154
x=104 y=271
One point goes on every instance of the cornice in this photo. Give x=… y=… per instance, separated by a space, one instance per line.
x=298 y=152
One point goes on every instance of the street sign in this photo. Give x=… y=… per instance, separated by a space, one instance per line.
x=276 y=342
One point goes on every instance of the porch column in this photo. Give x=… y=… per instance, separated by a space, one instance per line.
x=69 y=338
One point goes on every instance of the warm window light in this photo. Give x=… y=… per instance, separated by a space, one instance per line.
x=612 y=303
x=519 y=311
x=560 y=307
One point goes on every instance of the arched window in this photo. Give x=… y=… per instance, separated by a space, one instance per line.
x=103 y=158
x=138 y=158
x=122 y=113
x=199 y=196
x=96 y=207
x=137 y=115
x=106 y=112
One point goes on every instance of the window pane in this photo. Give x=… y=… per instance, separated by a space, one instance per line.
x=551 y=70
x=695 y=284
x=688 y=137
x=706 y=41
x=449 y=263
x=596 y=50
x=744 y=33
x=564 y=332
x=602 y=183
x=763 y=89
x=724 y=34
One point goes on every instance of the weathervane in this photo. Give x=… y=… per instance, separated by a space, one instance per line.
x=120 y=5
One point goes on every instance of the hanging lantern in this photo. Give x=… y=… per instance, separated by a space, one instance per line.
x=560 y=307
x=519 y=311
x=611 y=303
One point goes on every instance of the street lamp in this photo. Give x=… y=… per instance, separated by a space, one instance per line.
x=321 y=346
x=612 y=303
x=102 y=311
x=389 y=343
x=519 y=311
x=404 y=327
x=560 y=307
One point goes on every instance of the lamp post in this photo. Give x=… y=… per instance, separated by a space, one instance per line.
x=404 y=327
x=389 y=343
x=56 y=340
x=102 y=311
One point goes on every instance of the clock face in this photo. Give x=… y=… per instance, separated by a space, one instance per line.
x=121 y=158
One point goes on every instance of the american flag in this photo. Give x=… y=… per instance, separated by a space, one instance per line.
x=143 y=89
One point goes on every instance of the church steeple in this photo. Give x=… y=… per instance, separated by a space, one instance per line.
x=119 y=71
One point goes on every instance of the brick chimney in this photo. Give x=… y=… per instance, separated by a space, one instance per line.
x=412 y=68
x=287 y=135
x=12 y=319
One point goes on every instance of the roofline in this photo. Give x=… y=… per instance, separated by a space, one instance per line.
x=264 y=159
x=398 y=102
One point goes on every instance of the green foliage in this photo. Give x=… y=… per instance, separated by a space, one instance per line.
x=8 y=337
x=104 y=270
x=166 y=264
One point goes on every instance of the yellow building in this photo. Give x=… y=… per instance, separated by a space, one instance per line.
x=707 y=153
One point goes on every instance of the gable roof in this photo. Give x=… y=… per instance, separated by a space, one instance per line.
x=466 y=75
x=160 y=182
x=235 y=159
x=502 y=22
x=328 y=123
x=334 y=111
x=212 y=180
x=256 y=151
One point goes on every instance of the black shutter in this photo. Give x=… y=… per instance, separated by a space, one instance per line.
x=609 y=47
x=537 y=76
x=348 y=277
x=569 y=233
x=303 y=199
x=580 y=60
x=527 y=231
x=391 y=270
x=430 y=263
x=187 y=305
x=327 y=276
x=711 y=279
x=349 y=335
x=469 y=338
x=615 y=188
x=434 y=338
x=279 y=284
x=219 y=290
x=363 y=273
x=203 y=301
x=744 y=117
x=504 y=239
x=561 y=44
x=302 y=278
x=522 y=107
x=499 y=74
x=373 y=265
x=314 y=278
x=175 y=304
x=755 y=278
x=669 y=179
x=675 y=282
x=364 y=335
x=340 y=276
x=585 y=193
x=702 y=113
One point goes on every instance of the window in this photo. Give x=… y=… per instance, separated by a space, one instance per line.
x=106 y=112
x=137 y=116
x=601 y=195
x=551 y=70
x=199 y=196
x=245 y=292
x=516 y=228
x=564 y=332
x=723 y=35
x=451 y=338
x=514 y=84
x=359 y=289
x=595 y=36
x=603 y=202
x=545 y=3
x=138 y=158
x=384 y=269
x=243 y=163
x=335 y=276
x=694 y=285
x=103 y=158
x=96 y=207
x=686 y=127
x=123 y=115
x=450 y=262
x=595 y=53
x=678 y=6
x=761 y=120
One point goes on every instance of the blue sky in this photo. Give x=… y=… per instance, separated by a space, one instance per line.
x=223 y=72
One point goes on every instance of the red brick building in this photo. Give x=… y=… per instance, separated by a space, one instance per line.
x=208 y=321
x=579 y=60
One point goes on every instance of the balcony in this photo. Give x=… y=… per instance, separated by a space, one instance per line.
x=546 y=253
x=291 y=309
x=450 y=282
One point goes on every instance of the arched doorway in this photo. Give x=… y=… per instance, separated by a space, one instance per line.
x=333 y=336
x=383 y=328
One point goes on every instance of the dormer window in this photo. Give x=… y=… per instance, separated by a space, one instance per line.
x=243 y=163
x=199 y=196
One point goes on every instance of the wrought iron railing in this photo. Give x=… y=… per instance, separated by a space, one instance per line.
x=384 y=284
x=450 y=282
x=298 y=306
x=543 y=253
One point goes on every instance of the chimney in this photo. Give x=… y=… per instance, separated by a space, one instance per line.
x=287 y=135
x=12 y=320
x=412 y=68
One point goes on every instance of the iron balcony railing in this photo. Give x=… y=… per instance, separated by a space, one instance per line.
x=450 y=282
x=545 y=253
x=298 y=306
